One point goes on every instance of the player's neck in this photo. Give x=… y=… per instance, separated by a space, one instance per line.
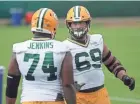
x=37 y=35
x=41 y=37
x=82 y=40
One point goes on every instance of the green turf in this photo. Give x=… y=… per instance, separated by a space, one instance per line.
x=123 y=41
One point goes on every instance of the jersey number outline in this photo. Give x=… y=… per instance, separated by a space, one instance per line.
x=86 y=64
x=47 y=67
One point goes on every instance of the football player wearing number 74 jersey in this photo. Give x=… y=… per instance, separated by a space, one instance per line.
x=89 y=52
x=46 y=68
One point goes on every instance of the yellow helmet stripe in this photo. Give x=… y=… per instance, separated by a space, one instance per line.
x=41 y=16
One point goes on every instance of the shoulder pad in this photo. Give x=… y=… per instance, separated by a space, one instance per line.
x=96 y=38
x=20 y=47
x=61 y=46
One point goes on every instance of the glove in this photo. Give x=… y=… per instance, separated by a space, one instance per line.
x=130 y=82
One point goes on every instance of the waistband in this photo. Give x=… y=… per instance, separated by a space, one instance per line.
x=92 y=89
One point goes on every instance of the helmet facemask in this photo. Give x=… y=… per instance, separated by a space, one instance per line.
x=79 y=32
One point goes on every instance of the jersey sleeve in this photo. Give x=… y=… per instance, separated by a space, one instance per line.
x=66 y=43
x=65 y=47
x=60 y=47
x=19 y=47
x=98 y=39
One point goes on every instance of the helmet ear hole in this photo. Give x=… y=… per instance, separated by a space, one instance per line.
x=50 y=14
x=82 y=16
x=69 y=24
x=88 y=22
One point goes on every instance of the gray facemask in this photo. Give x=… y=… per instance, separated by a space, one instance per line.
x=79 y=32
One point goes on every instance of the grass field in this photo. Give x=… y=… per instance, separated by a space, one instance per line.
x=124 y=41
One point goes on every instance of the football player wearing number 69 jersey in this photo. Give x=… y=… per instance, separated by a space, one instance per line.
x=89 y=52
x=46 y=68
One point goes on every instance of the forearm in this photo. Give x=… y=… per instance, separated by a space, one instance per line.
x=10 y=100
x=121 y=74
x=12 y=88
x=69 y=94
x=113 y=64
x=115 y=67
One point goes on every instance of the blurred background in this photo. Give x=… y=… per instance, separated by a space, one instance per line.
x=117 y=21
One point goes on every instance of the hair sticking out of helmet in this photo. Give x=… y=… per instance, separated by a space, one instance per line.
x=44 y=20
x=78 y=21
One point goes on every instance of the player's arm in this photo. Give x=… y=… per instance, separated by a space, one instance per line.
x=68 y=80
x=114 y=66
x=13 y=79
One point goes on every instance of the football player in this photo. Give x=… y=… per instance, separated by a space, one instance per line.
x=45 y=67
x=89 y=52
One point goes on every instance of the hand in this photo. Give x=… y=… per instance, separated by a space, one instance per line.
x=128 y=81
x=78 y=86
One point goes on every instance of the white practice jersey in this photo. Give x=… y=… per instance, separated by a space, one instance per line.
x=87 y=61
x=40 y=64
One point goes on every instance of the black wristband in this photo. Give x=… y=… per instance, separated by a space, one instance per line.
x=12 y=85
